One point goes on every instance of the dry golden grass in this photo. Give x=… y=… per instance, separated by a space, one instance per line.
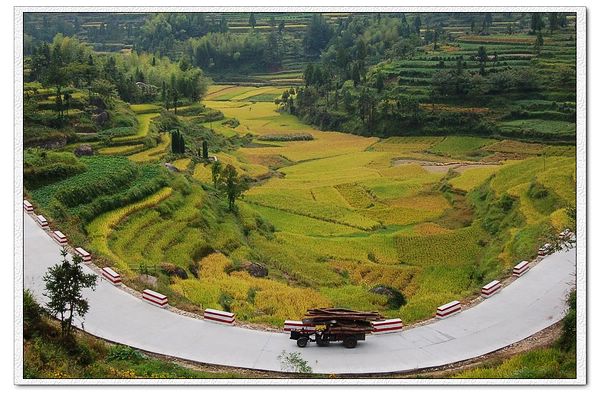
x=428 y=229
x=182 y=164
x=202 y=172
x=473 y=177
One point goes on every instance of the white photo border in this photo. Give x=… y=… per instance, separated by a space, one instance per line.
x=581 y=250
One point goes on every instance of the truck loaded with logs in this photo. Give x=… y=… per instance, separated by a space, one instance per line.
x=334 y=325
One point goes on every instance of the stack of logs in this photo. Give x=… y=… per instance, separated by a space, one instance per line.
x=341 y=320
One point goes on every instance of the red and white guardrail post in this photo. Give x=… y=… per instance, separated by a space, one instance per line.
x=491 y=288
x=448 y=309
x=520 y=269
x=219 y=316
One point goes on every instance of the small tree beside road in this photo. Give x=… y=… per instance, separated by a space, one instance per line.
x=64 y=284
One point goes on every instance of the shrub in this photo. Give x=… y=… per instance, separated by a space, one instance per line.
x=226 y=300
x=124 y=353
x=43 y=167
x=31 y=314
x=172 y=270
x=537 y=190
x=568 y=339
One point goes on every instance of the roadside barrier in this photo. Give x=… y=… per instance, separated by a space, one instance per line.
x=448 y=309
x=86 y=256
x=27 y=206
x=387 y=326
x=155 y=298
x=59 y=237
x=41 y=221
x=521 y=268
x=111 y=275
x=544 y=250
x=491 y=288
x=219 y=316
x=294 y=325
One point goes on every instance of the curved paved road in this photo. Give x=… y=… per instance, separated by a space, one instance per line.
x=528 y=305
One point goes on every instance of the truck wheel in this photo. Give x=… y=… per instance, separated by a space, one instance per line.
x=302 y=341
x=350 y=342
x=322 y=342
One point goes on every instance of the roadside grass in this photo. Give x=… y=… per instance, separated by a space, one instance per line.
x=544 y=363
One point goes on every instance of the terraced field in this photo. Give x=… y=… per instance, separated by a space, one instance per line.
x=332 y=218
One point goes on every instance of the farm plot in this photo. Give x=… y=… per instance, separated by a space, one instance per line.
x=154 y=153
x=461 y=147
x=144 y=120
x=551 y=127
x=149 y=239
x=473 y=177
x=98 y=168
x=100 y=228
x=121 y=150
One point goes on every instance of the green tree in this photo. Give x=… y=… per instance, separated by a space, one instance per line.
x=553 y=22
x=417 y=25
x=64 y=284
x=223 y=26
x=487 y=20
x=233 y=184
x=105 y=90
x=317 y=36
x=252 y=20
x=67 y=102
x=539 y=43
x=379 y=82
x=537 y=22
x=308 y=74
x=205 y=150
x=562 y=20
x=177 y=142
x=216 y=169
x=482 y=57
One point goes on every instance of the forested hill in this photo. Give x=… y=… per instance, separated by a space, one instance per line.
x=487 y=74
x=499 y=75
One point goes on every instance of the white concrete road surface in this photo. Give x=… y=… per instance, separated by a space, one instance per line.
x=526 y=306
